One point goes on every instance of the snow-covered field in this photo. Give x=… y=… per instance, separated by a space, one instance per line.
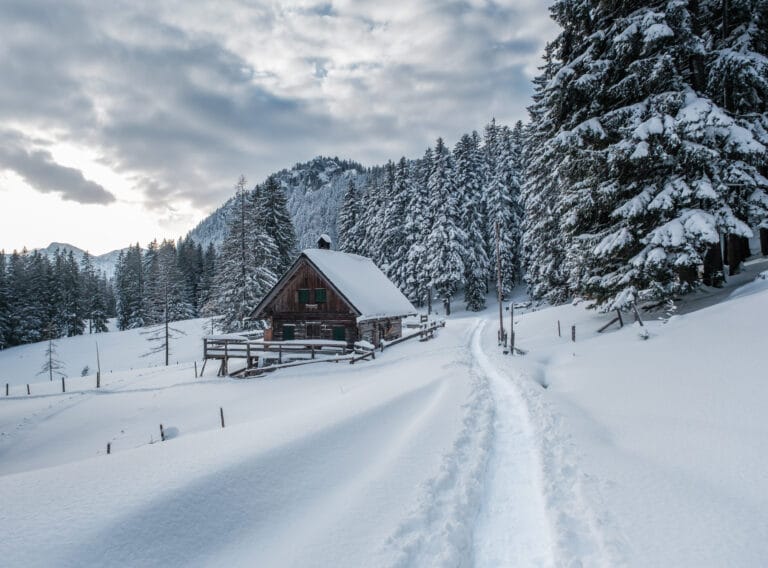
x=609 y=451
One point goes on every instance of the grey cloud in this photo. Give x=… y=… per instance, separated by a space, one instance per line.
x=183 y=97
x=40 y=171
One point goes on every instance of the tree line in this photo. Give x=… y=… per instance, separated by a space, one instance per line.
x=44 y=297
x=430 y=223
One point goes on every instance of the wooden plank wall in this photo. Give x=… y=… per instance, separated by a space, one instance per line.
x=286 y=309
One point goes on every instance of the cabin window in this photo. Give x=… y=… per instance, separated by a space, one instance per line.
x=320 y=296
x=339 y=333
x=289 y=332
x=303 y=295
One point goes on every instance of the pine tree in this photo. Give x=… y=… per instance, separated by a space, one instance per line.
x=243 y=273
x=418 y=226
x=4 y=304
x=641 y=157
x=129 y=284
x=51 y=363
x=447 y=242
x=395 y=235
x=349 y=213
x=276 y=222
x=468 y=180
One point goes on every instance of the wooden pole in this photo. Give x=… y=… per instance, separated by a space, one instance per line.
x=621 y=320
x=6 y=389
x=98 y=367
x=195 y=369
x=221 y=414
x=498 y=286
x=109 y=448
x=511 y=327
x=28 y=388
x=573 y=333
x=63 y=386
x=162 y=433
x=558 y=329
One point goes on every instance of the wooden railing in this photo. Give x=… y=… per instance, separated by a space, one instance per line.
x=293 y=353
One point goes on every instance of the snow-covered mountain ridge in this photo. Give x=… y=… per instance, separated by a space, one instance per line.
x=105 y=263
x=314 y=191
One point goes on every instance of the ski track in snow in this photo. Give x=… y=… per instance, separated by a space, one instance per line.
x=439 y=532
x=540 y=508
x=512 y=528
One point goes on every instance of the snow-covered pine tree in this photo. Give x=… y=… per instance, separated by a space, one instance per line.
x=395 y=236
x=243 y=275
x=503 y=207
x=368 y=227
x=129 y=289
x=389 y=222
x=276 y=222
x=4 y=293
x=418 y=225
x=642 y=156
x=737 y=80
x=349 y=213
x=501 y=193
x=447 y=241
x=543 y=243
x=207 y=277
x=468 y=181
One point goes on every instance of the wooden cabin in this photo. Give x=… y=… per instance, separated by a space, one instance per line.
x=331 y=295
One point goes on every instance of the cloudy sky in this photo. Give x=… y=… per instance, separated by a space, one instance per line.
x=124 y=121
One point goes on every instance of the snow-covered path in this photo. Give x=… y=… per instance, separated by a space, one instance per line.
x=513 y=528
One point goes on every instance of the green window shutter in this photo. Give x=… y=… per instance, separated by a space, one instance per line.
x=303 y=296
x=288 y=332
x=320 y=296
x=339 y=333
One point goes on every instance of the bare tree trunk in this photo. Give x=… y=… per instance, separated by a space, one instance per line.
x=764 y=241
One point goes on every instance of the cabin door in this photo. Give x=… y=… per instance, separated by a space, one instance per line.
x=313 y=331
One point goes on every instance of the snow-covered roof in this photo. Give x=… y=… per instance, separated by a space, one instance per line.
x=362 y=283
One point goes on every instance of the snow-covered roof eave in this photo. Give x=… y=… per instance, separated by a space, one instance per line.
x=369 y=317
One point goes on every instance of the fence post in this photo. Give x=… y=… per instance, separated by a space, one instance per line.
x=109 y=448
x=6 y=389
x=27 y=388
x=221 y=414
x=162 y=433
x=63 y=386
x=558 y=329
x=573 y=333
x=195 y=369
